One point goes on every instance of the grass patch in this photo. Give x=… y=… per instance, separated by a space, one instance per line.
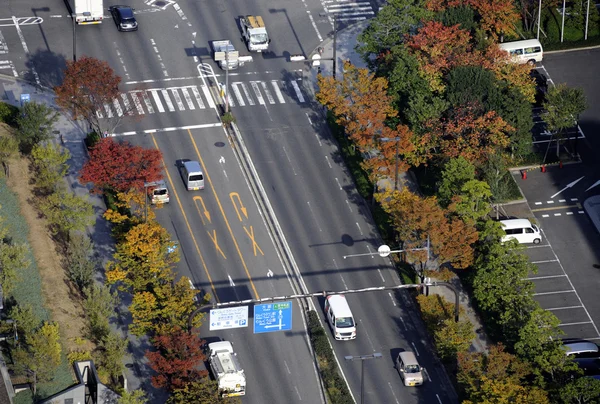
x=591 y=41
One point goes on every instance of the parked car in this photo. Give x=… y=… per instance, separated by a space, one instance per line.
x=124 y=18
x=581 y=348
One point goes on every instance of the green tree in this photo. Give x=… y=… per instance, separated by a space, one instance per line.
x=81 y=262
x=67 y=212
x=133 y=397
x=462 y=15
x=456 y=173
x=497 y=176
x=112 y=349
x=25 y=319
x=453 y=337
x=563 y=106
x=473 y=202
x=539 y=344
x=580 y=390
x=388 y=29
x=203 y=391
x=40 y=356
x=12 y=259
x=50 y=162
x=99 y=306
x=34 y=125
x=9 y=147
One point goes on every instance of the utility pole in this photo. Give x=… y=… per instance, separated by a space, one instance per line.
x=362 y=359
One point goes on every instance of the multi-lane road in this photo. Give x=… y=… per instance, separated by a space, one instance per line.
x=169 y=101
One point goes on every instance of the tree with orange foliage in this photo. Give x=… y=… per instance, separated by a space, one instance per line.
x=498 y=17
x=177 y=360
x=416 y=219
x=441 y=5
x=439 y=48
x=468 y=135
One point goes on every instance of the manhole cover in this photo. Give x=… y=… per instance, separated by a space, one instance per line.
x=160 y=3
x=220 y=144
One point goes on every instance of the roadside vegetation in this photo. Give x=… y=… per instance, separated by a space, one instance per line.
x=444 y=100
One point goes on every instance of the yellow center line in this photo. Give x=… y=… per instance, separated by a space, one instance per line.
x=237 y=247
x=187 y=223
x=578 y=206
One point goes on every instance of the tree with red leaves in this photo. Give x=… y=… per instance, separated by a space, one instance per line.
x=120 y=166
x=177 y=360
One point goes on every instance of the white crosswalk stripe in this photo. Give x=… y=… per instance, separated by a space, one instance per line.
x=348 y=10
x=192 y=97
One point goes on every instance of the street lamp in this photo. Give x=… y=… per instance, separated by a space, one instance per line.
x=362 y=359
x=397 y=140
x=146 y=186
x=385 y=250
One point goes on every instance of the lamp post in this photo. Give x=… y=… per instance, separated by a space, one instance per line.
x=397 y=140
x=362 y=359
x=74 y=38
x=146 y=186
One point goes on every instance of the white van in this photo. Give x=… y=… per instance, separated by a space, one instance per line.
x=528 y=51
x=409 y=369
x=521 y=230
x=340 y=317
x=192 y=175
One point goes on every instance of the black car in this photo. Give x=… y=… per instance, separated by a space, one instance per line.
x=124 y=18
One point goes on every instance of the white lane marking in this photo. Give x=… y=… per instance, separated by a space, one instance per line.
x=314 y=216
x=157 y=100
x=231 y=283
x=99 y=114
x=137 y=103
x=201 y=76
x=338 y=268
x=7 y=64
x=147 y=102
x=392 y=299
x=290 y=160
x=238 y=94
x=188 y=98
x=170 y=105
x=209 y=98
x=109 y=113
x=198 y=97
x=118 y=107
x=247 y=93
x=339 y=185
x=256 y=89
x=278 y=94
x=361 y=232
x=394 y=394
x=128 y=109
x=543 y=262
x=178 y=100
x=24 y=44
x=171 y=129
x=267 y=92
x=349 y=207
x=297 y=90
x=328 y=162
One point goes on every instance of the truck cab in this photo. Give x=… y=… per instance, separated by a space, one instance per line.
x=254 y=33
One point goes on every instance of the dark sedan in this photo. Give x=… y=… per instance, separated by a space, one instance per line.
x=124 y=18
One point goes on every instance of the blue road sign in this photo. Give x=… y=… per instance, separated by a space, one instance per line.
x=272 y=317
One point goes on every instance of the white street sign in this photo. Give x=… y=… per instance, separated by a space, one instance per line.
x=230 y=317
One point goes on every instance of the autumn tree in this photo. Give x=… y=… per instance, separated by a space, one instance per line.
x=177 y=359
x=34 y=125
x=143 y=258
x=120 y=166
x=497 y=18
x=495 y=377
x=50 y=162
x=203 y=391
x=438 y=49
x=39 y=357
x=516 y=75
x=88 y=85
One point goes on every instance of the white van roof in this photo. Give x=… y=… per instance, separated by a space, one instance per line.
x=528 y=43
x=408 y=358
x=192 y=166
x=515 y=223
x=339 y=305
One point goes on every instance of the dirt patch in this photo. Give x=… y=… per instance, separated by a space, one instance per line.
x=57 y=290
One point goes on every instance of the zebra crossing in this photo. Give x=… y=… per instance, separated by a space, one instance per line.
x=192 y=97
x=349 y=10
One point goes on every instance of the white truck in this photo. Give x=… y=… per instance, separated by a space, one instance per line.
x=227 y=369
x=227 y=56
x=89 y=11
x=254 y=33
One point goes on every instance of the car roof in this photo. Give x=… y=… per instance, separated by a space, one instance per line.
x=574 y=348
x=192 y=166
x=125 y=11
x=339 y=305
x=408 y=358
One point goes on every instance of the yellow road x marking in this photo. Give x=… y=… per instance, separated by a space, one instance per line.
x=577 y=205
x=214 y=291
x=254 y=243
x=237 y=247
x=235 y=196
x=213 y=237
x=205 y=211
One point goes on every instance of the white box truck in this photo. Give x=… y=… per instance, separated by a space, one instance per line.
x=227 y=369
x=89 y=11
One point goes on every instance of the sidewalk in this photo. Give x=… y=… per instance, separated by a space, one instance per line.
x=73 y=134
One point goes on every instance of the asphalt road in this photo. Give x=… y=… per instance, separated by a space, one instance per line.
x=312 y=193
x=567 y=281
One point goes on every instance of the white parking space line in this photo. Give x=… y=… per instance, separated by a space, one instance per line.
x=275 y=85
x=297 y=90
x=167 y=99
x=545 y=277
x=178 y=99
x=188 y=98
x=564 y=308
x=558 y=292
x=157 y=100
x=543 y=262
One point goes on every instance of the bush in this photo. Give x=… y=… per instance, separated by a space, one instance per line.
x=337 y=390
x=8 y=114
x=91 y=139
x=80 y=260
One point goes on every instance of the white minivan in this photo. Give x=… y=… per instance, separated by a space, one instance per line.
x=521 y=230
x=527 y=51
x=340 y=317
x=192 y=175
